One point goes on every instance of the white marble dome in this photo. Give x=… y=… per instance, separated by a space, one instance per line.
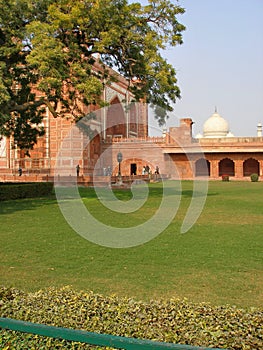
x=215 y=126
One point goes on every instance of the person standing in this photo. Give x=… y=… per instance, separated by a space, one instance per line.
x=77 y=169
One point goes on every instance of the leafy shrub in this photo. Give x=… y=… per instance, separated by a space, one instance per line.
x=24 y=190
x=254 y=177
x=225 y=177
x=173 y=320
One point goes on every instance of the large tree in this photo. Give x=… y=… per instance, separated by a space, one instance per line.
x=48 y=50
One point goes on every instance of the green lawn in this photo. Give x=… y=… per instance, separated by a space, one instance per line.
x=219 y=260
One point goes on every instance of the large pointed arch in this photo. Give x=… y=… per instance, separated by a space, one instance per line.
x=250 y=166
x=202 y=167
x=226 y=167
x=91 y=153
x=115 y=120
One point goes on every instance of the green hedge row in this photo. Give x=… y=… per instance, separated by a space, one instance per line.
x=174 y=320
x=24 y=190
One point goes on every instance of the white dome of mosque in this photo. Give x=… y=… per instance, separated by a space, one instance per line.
x=215 y=126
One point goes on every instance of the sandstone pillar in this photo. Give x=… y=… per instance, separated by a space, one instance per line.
x=239 y=168
x=214 y=169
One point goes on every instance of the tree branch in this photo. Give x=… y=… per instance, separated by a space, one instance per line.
x=37 y=103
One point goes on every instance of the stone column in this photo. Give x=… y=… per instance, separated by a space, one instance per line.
x=238 y=168
x=261 y=167
x=214 y=169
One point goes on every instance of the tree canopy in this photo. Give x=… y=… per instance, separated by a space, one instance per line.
x=48 y=50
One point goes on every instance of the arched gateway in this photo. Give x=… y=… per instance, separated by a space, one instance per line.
x=250 y=166
x=226 y=167
x=202 y=167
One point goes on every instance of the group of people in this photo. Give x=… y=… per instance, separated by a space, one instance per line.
x=107 y=171
x=147 y=171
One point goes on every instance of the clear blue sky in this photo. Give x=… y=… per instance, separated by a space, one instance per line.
x=221 y=63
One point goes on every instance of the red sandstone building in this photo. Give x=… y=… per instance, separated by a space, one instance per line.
x=123 y=128
x=178 y=155
x=118 y=120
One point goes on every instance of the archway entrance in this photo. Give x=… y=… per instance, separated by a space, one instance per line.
x=133 y=169
x=91 y=154
x=226 y=167
x=250 y=166
x=116 y=125
x=202 y=167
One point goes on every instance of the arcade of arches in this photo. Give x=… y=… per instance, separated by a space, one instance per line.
x=179 y=155
x=227 y=166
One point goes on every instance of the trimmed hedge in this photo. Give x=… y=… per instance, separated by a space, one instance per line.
x=173 y=320
x=9 y=191
x=254 y=177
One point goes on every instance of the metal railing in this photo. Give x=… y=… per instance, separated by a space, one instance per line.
x=91 y=338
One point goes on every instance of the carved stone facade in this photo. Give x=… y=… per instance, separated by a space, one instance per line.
x=120 y=119
x=123 y=128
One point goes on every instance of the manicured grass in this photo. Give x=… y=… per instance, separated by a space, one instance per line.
x=219 y=260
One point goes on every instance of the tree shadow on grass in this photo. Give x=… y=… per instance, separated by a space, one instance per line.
x=8 y=207
x=189 y=194
x=157 y=192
